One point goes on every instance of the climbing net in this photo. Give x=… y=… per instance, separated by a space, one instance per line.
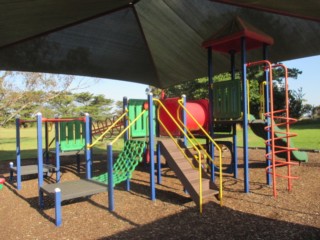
x=126 y=162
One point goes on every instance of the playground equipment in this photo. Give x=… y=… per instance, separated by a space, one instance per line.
x=278 y=136
x=187 y=165
x=69 y=139
x=68 y=190
x=117 y=173
x=126 y=162
x=25 y=170
x=191 y=166
x=239 y=36
x=196 y=108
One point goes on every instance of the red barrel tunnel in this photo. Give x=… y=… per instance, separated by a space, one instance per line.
x=197 y=108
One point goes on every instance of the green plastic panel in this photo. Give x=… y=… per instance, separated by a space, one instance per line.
x=140 y=128
x=72 y=136
x=227 y=100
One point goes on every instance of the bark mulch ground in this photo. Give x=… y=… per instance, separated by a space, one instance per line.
x=254 y=215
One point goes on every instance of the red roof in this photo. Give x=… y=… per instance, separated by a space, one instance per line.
x=229 y=37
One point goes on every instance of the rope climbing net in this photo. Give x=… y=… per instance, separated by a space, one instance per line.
x=126 y=162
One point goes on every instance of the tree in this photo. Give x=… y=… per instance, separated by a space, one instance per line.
x=71 y=105
x=195 y=89
x=307 y=109
x=25 y=93
x=62 y=105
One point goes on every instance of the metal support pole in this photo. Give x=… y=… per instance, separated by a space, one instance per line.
x=47 y=142
x=18 y=154
x=58 y=214
x=210 y=112
x=126 y=135
x=184 y=120
x=234 y=151
x=56 y=126
x=88 y=142
x=159 y=163
x=40 y=157
x=110 y=177
x=267 y=109
x=125 y=121
x=245 y=115
x=234 y=126
x=151 y=147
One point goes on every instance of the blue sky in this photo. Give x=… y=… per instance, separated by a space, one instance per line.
x=309 y=80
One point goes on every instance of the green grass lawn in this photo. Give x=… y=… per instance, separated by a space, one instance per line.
x=308 y=138
x=308 y=135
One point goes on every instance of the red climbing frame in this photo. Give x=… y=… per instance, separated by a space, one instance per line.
x=278 y=118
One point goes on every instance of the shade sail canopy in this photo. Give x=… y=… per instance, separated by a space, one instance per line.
x=155 y=42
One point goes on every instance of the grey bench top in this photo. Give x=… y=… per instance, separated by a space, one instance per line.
x=75 y=189
x=33 y=169
x=68 y=153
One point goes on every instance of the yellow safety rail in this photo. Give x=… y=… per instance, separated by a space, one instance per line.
x=180 y=102
x=121 y=133
x=262 y=99
x=181 y=150
x=170 y=135
x=128 y=127
x=108 y=129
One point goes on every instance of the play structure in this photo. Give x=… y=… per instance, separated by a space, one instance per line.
x=126 y=163
x=68 y=140
x=142 y=124
x=24 y=170
x=187 y=134
x=225 y=97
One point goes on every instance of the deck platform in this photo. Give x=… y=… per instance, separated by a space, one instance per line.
x=75 y=189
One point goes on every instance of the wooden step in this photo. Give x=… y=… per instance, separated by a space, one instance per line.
x=188 y=175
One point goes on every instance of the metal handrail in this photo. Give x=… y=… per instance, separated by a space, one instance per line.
x=181 y=150
x=108 y=129
x=128 y=127
x=180 y=102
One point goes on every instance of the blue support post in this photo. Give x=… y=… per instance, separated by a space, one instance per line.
x=58 y=214
x=159 y=163
x=234 y=126
x=245 y=115
x=41 y=199
x=47 y=142
x=210 y=86
x=87 y=142
x=110 y=177
x=57 y=152
x=234 y=151
x=267 y=109
x=126 y=135
x=184 y=120
x=18 y=153
x=11 y=171
x=40 y=157
x=151 y=147
x=125 y=121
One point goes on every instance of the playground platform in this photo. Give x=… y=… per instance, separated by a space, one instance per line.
x=74 y=189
